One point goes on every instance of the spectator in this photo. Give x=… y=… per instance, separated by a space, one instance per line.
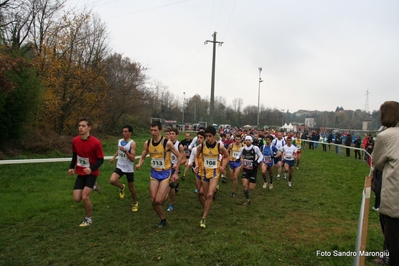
x=348 y=143
x=369 y=148
x=329 y=140
x=358 y=143
x=376 y=187
x=386 y=158
x=338 y=141
x=365 y=155
x=324 y=141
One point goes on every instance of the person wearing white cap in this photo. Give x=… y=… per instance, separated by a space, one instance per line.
x=251 y=157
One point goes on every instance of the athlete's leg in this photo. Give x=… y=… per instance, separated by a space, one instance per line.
x=114 y=180
x=236 y=172
x=291 y=171
x=209 y=188
x=201 y=197
x=158 y=192
x=130 y=184
x=86 y=200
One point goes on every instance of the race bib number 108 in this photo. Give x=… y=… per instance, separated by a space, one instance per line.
x=211 y=163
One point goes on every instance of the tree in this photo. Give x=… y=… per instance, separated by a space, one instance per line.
x=73 y=72
x=126 y=100
x=19 y=94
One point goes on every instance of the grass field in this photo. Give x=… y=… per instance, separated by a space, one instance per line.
x=284 y=226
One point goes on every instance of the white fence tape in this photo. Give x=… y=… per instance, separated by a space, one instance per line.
x=47 y=160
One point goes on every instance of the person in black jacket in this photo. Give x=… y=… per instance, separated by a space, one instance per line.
x=357 y=143
x=329 y=140
x=376 y=187
x=348 y=143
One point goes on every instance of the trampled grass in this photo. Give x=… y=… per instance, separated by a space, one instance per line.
x=284 y=226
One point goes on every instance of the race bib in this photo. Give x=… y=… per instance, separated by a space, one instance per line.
x=157 y=163
x=83 y=162
x=248 y=164
x=122 y=155
x=210 y=163
x=288 y=157
x=267 y=159
x=235 y=154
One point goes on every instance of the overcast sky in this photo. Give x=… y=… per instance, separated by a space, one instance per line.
x=315 y=55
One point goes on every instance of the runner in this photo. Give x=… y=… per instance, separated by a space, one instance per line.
x=279 y=143
x=297 y=142
x=248 y=155
x=87 y=158
x=191 y=163
x=186 y=143
x=288 y=157
x=126 y=154
x=160 y=150
x=174 y=186
x=269 y=152
x=209 y=166
x=234 y=166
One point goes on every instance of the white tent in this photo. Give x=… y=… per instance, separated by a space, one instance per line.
x=290 y=127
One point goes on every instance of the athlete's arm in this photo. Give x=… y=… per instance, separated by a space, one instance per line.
x=170 y=147
x=113 y=157
x=240 y=154
x=143 y=155
x=183 y=154
x=96 y=165
x=192 y=144
x=259 y=153
x=192 y=157
x=225 y=160
x=132 y=153
x=199 y=147
x=71 y=170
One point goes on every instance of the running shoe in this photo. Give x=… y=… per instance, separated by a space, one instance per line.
x=233 y=194
x=203 y=223
x=122 y=192
x=170 y=208
x=264 y=184
x=278 y=177
x=289 y=184
x=97 y=188
x=224 y=180
x=163 y=223
x=285 y=176
x=183 y=178
x=248 y=202
x=271 y=186
x=196 y=190
x=135 y=207
x=297 y=168
x=86 y=222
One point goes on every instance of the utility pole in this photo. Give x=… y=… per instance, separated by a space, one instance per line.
x=212 y=103
x=260 y=80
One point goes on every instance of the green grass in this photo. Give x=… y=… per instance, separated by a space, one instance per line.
x=284 y=226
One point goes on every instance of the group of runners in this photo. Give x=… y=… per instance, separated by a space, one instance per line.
x=206 y=155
